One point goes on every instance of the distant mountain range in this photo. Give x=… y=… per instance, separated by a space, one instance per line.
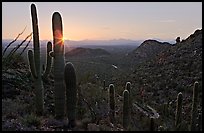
x=72 y=43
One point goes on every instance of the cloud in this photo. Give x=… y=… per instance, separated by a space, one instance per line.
x=166 y=21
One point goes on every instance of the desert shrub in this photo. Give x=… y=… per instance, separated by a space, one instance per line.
x=31 y=120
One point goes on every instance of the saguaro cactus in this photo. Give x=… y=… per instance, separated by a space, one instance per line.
x=128 y=87
x=104 y=84
x=152 y=124
x=178 y=111
x=71 y=93
x=35 y=65
x=194 y=107
x=126 y=109
x=59 y=88
x=112 y=102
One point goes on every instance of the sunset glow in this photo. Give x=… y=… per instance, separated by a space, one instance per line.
x=105 y=21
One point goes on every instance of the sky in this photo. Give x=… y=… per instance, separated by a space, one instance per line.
x=105 y=20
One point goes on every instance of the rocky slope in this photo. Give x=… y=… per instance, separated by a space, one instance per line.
x=147 y=50
x=170 y=72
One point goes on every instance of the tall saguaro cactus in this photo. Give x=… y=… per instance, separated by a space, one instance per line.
x=112 y=102
x=71 y=93
x=34 y=61
x=59 y=88
x=178 y=111
x=126 y=109
x=194 y=107
x=35 y=65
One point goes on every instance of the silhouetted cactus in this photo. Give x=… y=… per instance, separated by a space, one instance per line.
x=152 y=128
x=59 y=88
x=34 y=61
x=165 y=109
x=178 y=40
x=126 y=109
x=200 y=122
x=71 y=93
x=104 y=84
x=35 y=65
x=178 y=111
x=194 y=107
x=128 y=87
x=112 y=102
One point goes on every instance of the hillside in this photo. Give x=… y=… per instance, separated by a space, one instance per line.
x=147 y=50
x=86 y=52
x=170 y=72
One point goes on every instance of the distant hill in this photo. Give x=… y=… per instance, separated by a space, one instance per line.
x=86 y=52
x=147 y=50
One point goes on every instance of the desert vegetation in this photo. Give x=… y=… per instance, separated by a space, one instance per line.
x=157 y=87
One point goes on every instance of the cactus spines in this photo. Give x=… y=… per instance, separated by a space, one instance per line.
x=34 y=61
x=58 y=44
x=112 y=102
x=71 y=93
x=49 y=61
x=126 y=109
x=178 y=111
x=194 y=107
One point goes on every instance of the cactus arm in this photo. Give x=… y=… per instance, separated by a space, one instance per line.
x=32 y=64
x=179 y=111
x=71 y=93
x=58 y=44
x=194 y=107
x=126 y=109
x=112 y=102
x=128 y=87
x=49 y=61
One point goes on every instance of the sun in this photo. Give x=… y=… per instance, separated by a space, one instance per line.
x=63 y=39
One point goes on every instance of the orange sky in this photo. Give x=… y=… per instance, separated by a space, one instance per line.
x=107 y=20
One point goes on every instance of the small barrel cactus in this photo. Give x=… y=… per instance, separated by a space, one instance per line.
x=178 y=111
x=71 y=93
x=194 y=107
x=126 y=109
x=112 y=102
